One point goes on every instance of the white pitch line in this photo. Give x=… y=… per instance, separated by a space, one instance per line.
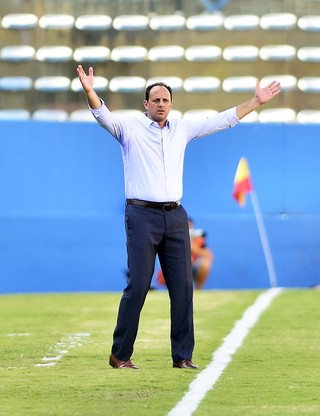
x=62 y=347
x=222 y=356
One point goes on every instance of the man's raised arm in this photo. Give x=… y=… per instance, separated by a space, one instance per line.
x=261 y=96
x=87 y=85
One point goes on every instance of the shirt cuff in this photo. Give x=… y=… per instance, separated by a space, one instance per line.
x=96 y=111
x=232 y=116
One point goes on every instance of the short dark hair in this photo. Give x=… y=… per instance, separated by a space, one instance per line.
x=157 y=84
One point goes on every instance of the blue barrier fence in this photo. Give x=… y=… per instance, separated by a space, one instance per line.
x=62 y=204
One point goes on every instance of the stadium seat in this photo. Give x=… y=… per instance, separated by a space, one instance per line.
x=239 y=84
x=278 y=21
x=309 y=84
x=308 y=116
x=252 y=117
x=54 y=54
x=19 y=21
x=91 y=54
x=175 y=114
x=241 y=22
x=203 y=53
x=201 y=84
x=175 y=83
x=278 y=53
x=166 y=53
x=288 y=82
x=93 y=22
x=240 y=53
x=100 y=84
x=15 y=114
x=127 y=84
x=277 y=115
x=131 y=22
x=50 y=115
x=56 y=21
x=200 y=113
x=19 y=53
x=309 y=23
x=129 y=54
x=83 y=115
x=204 y=22
x=309 y=54
x=20 y=83
x=167 y=22
x=52 y=84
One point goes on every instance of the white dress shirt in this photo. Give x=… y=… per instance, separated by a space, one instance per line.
x=153 y=156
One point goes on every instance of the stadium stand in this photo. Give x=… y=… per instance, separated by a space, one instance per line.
x=183 y=41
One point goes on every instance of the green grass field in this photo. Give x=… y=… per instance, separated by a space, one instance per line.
x=275 y=372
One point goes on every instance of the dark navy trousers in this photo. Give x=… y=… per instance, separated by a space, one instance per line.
x=152 y=232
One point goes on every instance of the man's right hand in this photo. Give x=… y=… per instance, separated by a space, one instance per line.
x=87 y=85
x=86 y=80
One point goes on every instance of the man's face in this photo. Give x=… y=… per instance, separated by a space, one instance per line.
x=159 y=104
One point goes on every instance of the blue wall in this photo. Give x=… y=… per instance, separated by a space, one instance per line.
x=62 y=203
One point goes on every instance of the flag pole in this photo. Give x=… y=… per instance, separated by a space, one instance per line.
x=264 y=239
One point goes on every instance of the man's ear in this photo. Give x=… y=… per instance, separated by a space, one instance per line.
x=145 y=104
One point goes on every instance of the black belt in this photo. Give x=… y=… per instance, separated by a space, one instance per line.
x=165 y=206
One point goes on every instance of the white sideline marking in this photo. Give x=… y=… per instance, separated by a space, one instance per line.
x=222 y=356
x=62 y=347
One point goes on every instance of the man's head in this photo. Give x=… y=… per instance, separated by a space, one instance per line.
x=158 y=102
x=157 y=84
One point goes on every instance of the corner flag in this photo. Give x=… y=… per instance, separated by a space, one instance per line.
x=242 y=182
x=242 y=185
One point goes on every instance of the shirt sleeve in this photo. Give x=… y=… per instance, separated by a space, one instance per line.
x=109 y=121
x=204 y=127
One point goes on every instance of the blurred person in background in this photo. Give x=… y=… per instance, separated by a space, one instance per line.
x=201 y=257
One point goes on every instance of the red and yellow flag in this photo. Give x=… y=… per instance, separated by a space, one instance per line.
x=242 y=182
